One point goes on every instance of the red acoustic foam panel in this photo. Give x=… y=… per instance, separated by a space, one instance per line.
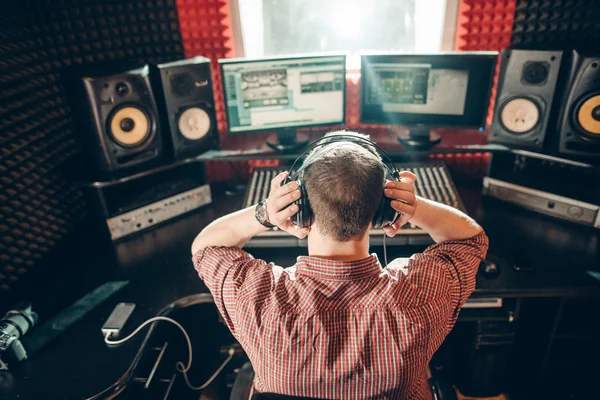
x=485 y=25
x=482 y=25
x=206 y=31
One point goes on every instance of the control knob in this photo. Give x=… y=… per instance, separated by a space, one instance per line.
x=575 y=211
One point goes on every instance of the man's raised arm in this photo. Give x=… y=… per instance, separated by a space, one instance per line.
x=236 y=229
x=441 y=222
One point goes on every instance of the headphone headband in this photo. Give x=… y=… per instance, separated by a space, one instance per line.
x=326 y=140
x=384 y=214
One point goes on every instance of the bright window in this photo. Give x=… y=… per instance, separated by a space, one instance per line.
x=276 y=27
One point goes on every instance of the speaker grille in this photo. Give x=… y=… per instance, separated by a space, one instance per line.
x=38 y=38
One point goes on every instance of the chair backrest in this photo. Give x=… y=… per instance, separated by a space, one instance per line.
x=273 y=396
x=242 y=388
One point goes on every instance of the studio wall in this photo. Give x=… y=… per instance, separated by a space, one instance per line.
x=38 y=39
x=556 y=24
x=38 y=205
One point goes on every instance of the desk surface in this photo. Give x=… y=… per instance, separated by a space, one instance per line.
x=553 y=257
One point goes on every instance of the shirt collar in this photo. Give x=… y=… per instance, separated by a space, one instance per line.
x=337 y=270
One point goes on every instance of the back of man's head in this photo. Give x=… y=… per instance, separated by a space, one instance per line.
x=344 y=185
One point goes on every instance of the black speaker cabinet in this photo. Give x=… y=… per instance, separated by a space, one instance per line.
x=187 y=107
x=116 y=118
x=526 y=90
x=579 y=133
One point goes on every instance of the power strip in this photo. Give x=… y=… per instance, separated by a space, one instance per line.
x=160 y=211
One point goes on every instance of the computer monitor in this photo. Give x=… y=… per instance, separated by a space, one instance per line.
x=282 y=94
x=423 y=91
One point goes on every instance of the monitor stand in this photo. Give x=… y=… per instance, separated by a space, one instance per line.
x=288 y=141
x=419 y=138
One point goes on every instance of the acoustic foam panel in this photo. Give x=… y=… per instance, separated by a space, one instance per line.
x=485 y=25
x=206 y=31
x=38 y=206
x=556 y=24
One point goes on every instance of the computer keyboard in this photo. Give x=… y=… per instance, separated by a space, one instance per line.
x=433 y=182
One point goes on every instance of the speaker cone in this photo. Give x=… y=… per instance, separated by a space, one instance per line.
x=194 y=123
x=588 y=116
x=129 y=126
x=519 y=115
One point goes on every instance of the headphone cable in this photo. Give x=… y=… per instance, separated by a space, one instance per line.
x=384 y=250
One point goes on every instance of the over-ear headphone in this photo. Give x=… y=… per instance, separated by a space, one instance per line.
x=385 y=214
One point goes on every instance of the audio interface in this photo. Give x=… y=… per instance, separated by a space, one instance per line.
x=160 y=211
x=543 y=202
x=546 y=184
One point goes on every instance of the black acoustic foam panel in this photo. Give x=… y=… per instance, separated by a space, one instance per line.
x=556 y=25
x=38 y=205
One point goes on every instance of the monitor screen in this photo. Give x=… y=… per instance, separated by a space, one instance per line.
x=430 y=90
x=271 y=94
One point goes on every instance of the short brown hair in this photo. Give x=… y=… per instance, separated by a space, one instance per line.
x=344 y=185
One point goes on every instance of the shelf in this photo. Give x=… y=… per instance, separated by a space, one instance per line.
x=74 y=171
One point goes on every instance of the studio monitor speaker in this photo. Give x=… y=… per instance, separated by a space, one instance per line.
x=527 y=86
x=116 y=118
x=579 y=133
x=187 y=107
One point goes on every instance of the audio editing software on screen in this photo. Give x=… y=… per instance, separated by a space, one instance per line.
x=418 y=89
x=274 y=94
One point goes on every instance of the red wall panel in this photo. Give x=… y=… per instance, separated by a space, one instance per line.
x=206 y=31
x=485 y=25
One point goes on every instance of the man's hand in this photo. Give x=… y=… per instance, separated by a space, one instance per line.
x=405 y=201
x=281 y=197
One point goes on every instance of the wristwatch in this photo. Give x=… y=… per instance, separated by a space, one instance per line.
x=260 y=213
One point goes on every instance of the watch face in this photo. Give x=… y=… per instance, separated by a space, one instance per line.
x=261 y=213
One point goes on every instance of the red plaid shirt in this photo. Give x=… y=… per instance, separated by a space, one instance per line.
x=338 y=329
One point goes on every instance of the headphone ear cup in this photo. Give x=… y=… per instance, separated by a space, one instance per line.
x=286 y=181
x=304 y=216
x=385 y=214
x=378 y=218
x=388 y=213
x=296 y=218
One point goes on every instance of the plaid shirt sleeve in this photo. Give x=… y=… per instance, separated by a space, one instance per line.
x=227 y=271
x=448 y=270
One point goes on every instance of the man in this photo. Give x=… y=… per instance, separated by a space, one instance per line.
x=337 y=325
